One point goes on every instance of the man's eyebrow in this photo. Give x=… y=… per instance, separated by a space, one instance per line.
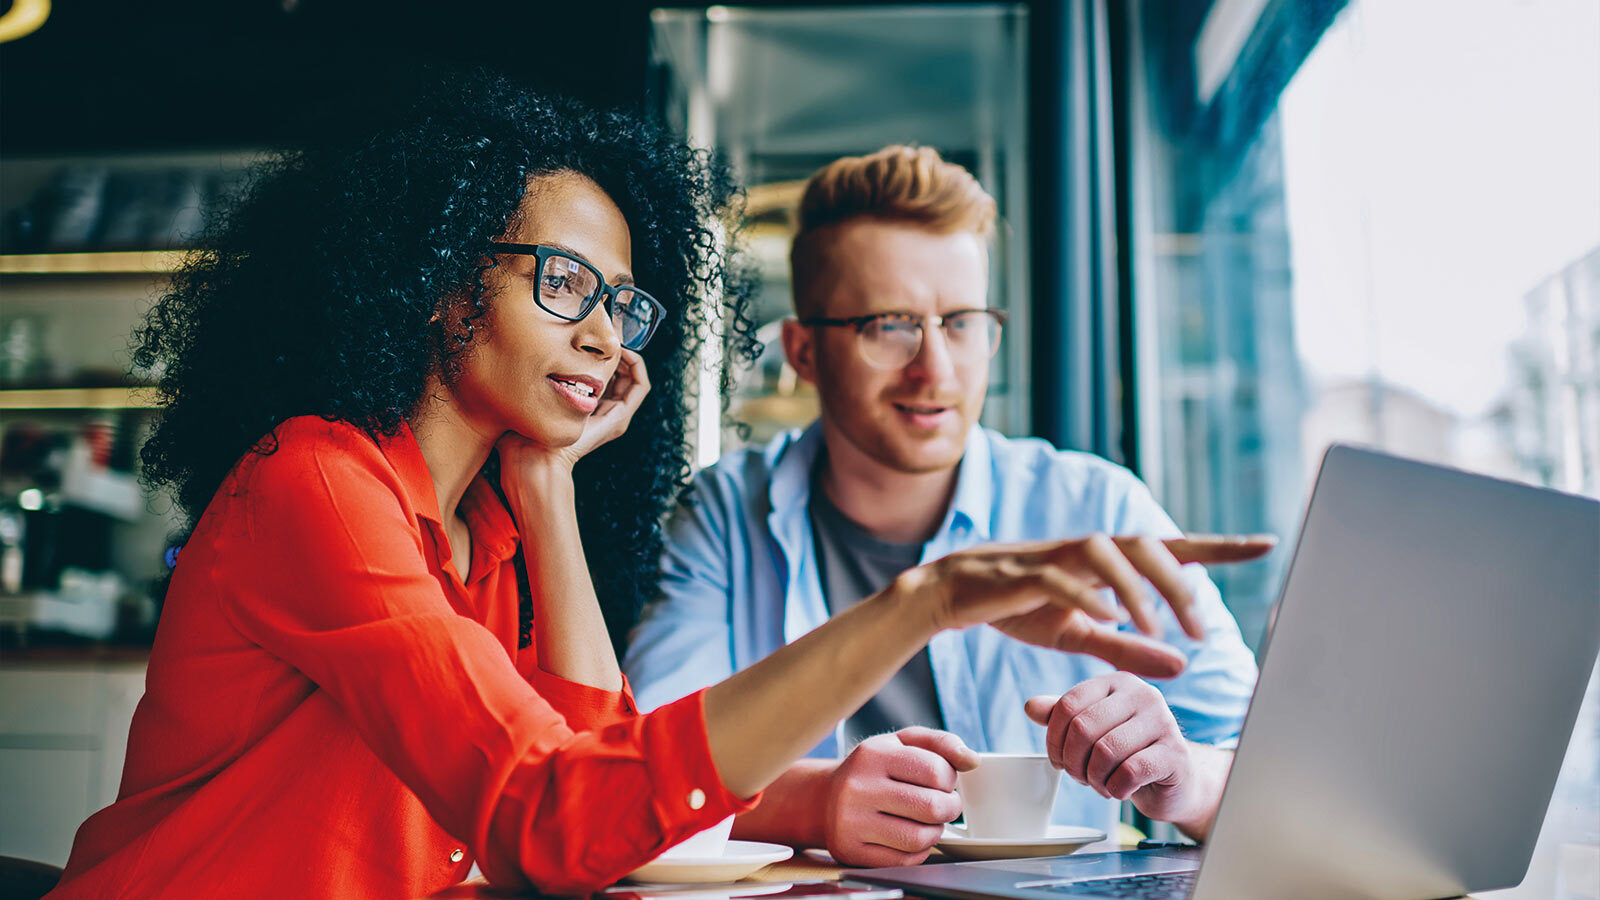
x=619 y=278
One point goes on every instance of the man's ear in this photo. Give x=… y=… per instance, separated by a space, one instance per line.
x=800 y=347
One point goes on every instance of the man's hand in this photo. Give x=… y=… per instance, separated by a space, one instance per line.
x=889 y=800
x=1116 y=734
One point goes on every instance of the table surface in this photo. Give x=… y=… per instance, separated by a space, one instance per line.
x=800 y=867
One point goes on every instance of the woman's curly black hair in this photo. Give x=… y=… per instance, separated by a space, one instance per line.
x=315 y=293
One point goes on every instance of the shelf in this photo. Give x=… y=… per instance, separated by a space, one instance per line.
x=79 y=398
x=118 y=262
x=776 y=197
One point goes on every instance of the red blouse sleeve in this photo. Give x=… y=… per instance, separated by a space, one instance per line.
x=585 y=707
x=335 y=583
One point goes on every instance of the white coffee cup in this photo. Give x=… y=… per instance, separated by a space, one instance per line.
x=708 y=844
x=1009 y=795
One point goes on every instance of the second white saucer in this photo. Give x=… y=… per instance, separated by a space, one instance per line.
x=1057 y=841
x=738 y=859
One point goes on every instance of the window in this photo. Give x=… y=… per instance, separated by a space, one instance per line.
x=1375 y=222
x=783 y=91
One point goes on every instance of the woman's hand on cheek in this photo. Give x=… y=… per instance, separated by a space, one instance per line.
x=622 y=399
x=610 y=419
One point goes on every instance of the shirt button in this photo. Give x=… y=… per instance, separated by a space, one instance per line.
x=456 y=855
x=697 y=798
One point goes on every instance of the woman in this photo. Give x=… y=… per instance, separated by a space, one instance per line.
x=401 y=362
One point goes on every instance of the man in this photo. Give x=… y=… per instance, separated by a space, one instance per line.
x=893 y=328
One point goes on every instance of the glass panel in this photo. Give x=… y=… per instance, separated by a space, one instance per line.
x=1399 y=249
x=784 y=91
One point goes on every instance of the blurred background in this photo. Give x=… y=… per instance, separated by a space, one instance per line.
x=1232 y=232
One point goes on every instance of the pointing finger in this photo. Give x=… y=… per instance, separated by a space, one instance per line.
x=1158 y=565
x=1134 y=653
x=1106 y=558
x=1215 y=548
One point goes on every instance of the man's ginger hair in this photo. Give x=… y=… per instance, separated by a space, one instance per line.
x=912 y=185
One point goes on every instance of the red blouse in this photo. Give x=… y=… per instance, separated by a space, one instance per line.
x=331 y=710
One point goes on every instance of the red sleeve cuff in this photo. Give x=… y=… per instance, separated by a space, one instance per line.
x=689 y=795
x=586 y=708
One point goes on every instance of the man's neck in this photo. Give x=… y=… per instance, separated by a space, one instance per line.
x=903 y=507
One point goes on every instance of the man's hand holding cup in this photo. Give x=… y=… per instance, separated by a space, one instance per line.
x=890 y=798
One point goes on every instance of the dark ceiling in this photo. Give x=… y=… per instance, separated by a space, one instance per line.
x=104 y=75
x=115 y=75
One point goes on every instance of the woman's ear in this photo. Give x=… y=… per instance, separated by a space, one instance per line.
x=451 y=315
x=445 y=306
x=800 y=347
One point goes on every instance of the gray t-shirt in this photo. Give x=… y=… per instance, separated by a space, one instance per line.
x=854 y=565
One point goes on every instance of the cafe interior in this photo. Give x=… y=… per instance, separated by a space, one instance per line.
x=1229 y=234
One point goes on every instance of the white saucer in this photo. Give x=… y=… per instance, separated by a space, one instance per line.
x=1057 y=841
x=738 y=859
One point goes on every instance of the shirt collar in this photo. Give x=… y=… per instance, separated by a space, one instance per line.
x=974 y=496
x=403 y=452
x=791 y=462
x=493 y=529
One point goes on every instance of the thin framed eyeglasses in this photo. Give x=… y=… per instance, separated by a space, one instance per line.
x=568 y=288
x=892 y=340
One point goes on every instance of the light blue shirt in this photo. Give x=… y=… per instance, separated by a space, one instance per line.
x=739 y=580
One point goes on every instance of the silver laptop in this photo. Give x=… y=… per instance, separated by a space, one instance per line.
x=1424 y=670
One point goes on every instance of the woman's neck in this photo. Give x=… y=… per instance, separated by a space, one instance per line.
x=453 y=448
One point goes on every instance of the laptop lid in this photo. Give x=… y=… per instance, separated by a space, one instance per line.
x=1427 y=659
x=1424 y=670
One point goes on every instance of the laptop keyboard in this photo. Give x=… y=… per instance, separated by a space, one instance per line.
x=1170 y=886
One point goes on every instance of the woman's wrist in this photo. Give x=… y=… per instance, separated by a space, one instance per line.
x=912 y=596
x=537 y=485
x=540 y=480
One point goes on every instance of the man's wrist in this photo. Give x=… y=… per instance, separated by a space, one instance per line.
x=794 y=809
x=1208 y=773
x=817 y=790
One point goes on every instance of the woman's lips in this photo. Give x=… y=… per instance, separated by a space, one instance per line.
x=582 y=391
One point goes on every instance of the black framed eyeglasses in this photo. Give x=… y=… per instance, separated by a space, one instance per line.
x=892 y=340
x=568 y=288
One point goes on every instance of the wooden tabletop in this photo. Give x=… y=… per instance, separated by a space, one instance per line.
x=800 y=867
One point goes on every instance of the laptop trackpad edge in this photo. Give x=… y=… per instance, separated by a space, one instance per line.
x=1053 y=870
